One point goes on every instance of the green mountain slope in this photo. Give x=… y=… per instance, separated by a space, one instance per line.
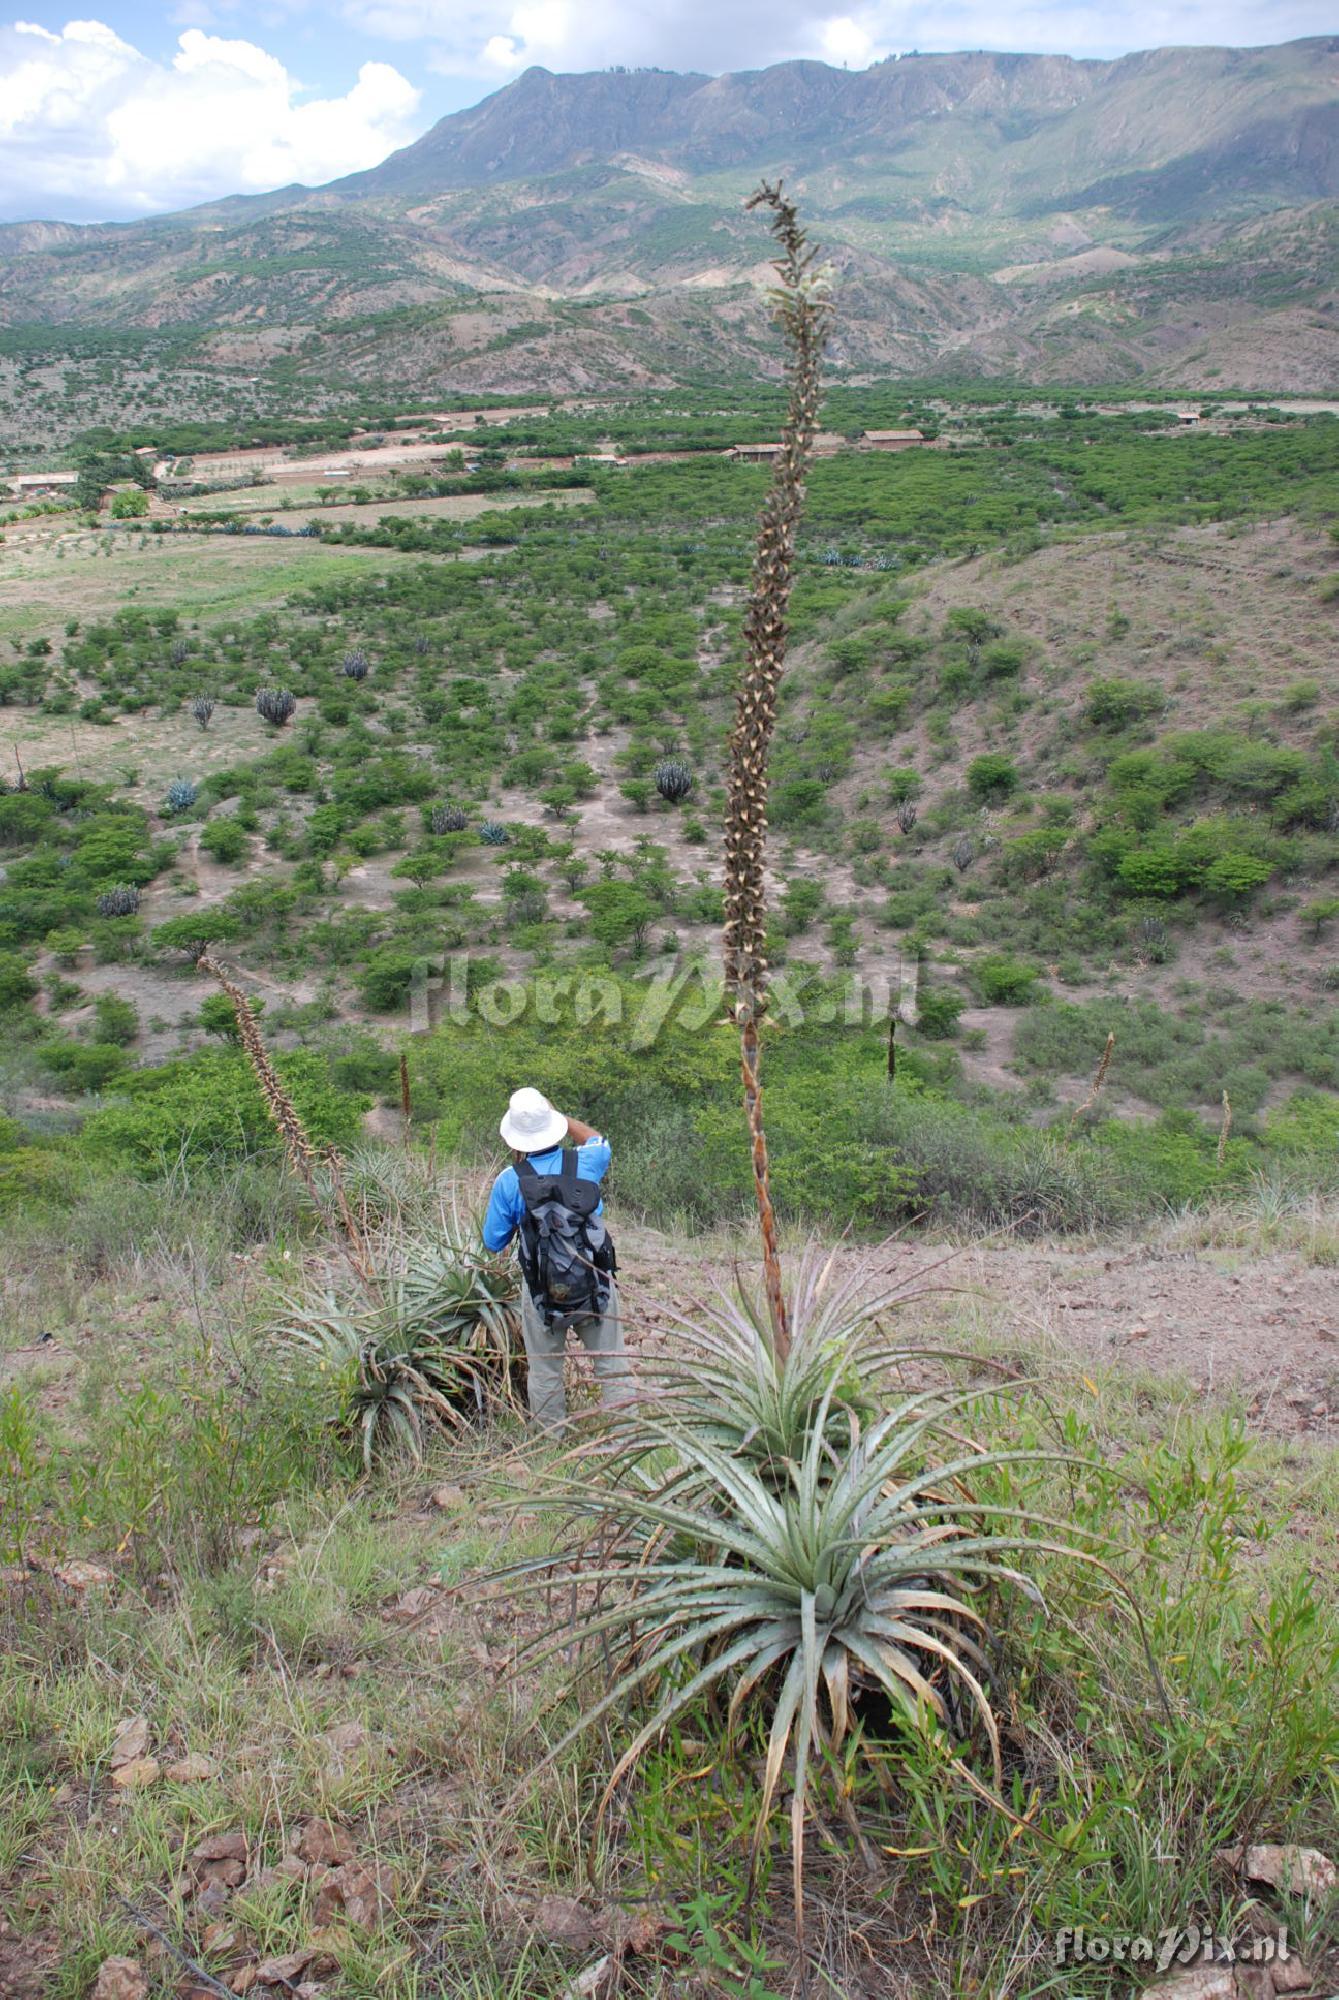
x=1170 y=217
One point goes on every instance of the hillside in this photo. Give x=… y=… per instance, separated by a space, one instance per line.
x=1168 y=218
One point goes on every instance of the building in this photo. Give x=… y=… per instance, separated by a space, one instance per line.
x=1187 y=418
x=754 y=454
x=891 y=440
x=31 y=485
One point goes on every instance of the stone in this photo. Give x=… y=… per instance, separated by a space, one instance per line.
x=561 y=1920
x=1290 y=1975
x=1302 y=1871
x=80 y=1575
x=141 y=1771
x=120 y=1979
x=318 y=1841
x=190 y=1770
x=221 y=1847
x=361 y=1892
x=448 y=1496
x=1200 y=1982
x=130 y=1742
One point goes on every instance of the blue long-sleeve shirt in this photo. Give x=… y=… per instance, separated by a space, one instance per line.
x=505 y=1204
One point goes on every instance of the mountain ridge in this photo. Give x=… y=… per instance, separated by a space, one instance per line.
x=1168 y=216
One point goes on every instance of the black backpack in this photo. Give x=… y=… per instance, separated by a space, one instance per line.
x=567 y=1255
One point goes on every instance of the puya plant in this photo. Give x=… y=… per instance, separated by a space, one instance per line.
x=793 y=1519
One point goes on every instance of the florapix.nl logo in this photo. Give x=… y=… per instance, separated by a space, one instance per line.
x=685 y=993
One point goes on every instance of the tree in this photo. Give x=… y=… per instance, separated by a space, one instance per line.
x=129 y=506
x=991 y=777
x=619 y=914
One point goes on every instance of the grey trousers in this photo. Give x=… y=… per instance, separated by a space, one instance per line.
x=546 y=1347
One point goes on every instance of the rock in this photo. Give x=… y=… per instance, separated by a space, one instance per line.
x=218 y=1938
x=1290 y=1975
x=190 y=1770
x=141 y=1771
x=287 y=1971
x=1302 y=1871
x=287 y=1869
x=213 y=1897
x=221 y=1847
x=640 y=1931
x=318 y=1841
x=448 y=1496
x=415 y=1603
x=561 y=1920
x=361 y=1892
x=231 y=1874
x=343 y=1743
x=1201 y=1982
x=81 y=1576
x=588 y=1984
x=130 y=1742
x=120 y=1979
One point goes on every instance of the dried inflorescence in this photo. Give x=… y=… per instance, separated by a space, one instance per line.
x=302 y=1154
x=801 y=309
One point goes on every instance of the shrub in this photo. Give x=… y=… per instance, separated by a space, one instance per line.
x=1005 y=982
x=224 y=840
x=992 y=777
x=1115 y=704
x=937 y=1011
x=115 y=1020
x=1234 y=876
x=209 y=1107
x=191 y=933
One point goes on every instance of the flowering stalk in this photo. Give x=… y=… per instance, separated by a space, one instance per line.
x=302 y=1155
x=801 y=310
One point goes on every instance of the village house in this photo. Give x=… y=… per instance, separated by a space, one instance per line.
x=754 y=454
x=891 y=440
x=31 y=485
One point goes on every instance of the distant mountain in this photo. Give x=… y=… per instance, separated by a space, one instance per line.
x=1172 y=216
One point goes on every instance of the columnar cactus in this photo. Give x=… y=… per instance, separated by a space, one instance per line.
x=906 y=815
x=674 y=780
x=182 y=794
x=802 y=313
x=964 y=852
x=119 y=902
x=356 y=664
x=202 y=707
x=447 y=819
x=493 y=833
x=276 y=706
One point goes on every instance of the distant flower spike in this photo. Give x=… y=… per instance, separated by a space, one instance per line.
x=801 y=309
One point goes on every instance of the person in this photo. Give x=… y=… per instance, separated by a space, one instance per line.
x=549 y=1200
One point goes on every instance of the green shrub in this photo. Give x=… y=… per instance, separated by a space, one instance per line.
x=1115 y=704
x=224 y=840
x=992 y=777
x=1005 y=982
x=937 y=1011
x=209 y=1107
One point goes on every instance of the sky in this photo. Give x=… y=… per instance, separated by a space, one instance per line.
x=152 y=105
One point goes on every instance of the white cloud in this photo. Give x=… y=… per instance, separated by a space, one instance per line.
x=481 y=38
x=91 y=127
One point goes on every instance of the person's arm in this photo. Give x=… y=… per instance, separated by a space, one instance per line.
x=500 y=1219
x=579 y=1132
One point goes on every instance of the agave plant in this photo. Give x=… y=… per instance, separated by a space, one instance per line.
x=389 y=1385
x=674 y=780
x=182 y=794
x=276 y=706
x=862 y=1571
x=493 y=833
x=431 y=1343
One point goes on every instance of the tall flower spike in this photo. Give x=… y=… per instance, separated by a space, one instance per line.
x=801 y=309
x=301 y=1153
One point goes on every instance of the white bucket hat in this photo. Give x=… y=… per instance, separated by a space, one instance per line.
x=531 y=1124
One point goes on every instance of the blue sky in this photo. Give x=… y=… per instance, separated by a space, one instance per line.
x=142 y=107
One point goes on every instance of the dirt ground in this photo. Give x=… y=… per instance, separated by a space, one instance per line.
x=1257 y=1335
